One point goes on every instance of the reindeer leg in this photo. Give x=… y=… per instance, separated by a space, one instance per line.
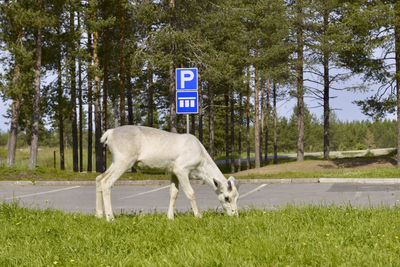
x=115 y=172
x=99 y=197
x=99 y=193
x=173 y=192
x=189 y=192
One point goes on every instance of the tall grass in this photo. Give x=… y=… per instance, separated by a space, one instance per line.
x=45 y=157
x=297 y=236
x=45 y=167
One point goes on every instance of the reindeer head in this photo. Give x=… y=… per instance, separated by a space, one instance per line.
x=228 y=195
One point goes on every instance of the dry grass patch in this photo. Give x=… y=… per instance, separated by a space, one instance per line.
x=321 y=166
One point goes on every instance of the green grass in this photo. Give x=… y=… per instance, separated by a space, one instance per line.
x=296 y=236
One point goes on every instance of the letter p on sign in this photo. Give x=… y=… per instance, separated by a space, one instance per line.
x=186 y=79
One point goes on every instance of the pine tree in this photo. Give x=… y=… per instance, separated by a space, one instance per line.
x=375 y=25
x=97 y=94
x=17 y=82
x=325 y=67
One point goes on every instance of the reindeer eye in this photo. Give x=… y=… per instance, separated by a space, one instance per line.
x=227 y=199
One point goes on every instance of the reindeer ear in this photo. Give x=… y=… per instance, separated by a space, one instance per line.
x=237 y=184
x=232 y=182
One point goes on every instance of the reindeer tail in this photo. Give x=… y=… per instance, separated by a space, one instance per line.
x=105 y=136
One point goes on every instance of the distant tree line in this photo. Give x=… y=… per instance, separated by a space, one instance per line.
x=81 y=67
x=350 y=135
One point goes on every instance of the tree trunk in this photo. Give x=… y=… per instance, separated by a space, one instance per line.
x=211 y=119
x=232 y=104
x=256 y=115
x=36 y=98
x=193 y=124
x=397 y=58
x=200 y=109
x=261 y=120
x=326 y=93
x=12 y=138
x=130 y=106
x=80 y=101
x=60 y=111
x=122 y=67
x=300 y=86
x=90 y=110
x=150 y=101
x=226 y=98
x=104 y=112
x=122 y=97
x=248 y=165
x=172 y=106
x=115 y=113
x=268 y=88
x=129 y=100
x=97 y=104
x=15 y=110
x=240 y=131
x=275 y=128
x=73 y=94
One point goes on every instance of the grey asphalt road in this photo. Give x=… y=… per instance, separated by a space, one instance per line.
x=146 y=199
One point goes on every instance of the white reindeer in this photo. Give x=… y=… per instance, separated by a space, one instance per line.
x=150 y=149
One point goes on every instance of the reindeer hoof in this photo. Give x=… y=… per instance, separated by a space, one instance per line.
x=109 y=218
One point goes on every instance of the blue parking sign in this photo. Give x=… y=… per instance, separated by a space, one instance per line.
x=186 y=79
x=187 y=102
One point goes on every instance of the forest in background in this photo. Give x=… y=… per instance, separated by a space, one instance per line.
x=350 y=135
x=73 y=69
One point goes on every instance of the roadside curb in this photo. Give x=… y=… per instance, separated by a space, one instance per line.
x=361 y=180
x=200 y=182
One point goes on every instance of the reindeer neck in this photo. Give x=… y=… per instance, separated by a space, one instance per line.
x=211 y=170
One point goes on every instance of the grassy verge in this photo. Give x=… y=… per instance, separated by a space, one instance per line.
x=46 y=170
x=311 y=235
x=14 y=174
x=42 y=174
